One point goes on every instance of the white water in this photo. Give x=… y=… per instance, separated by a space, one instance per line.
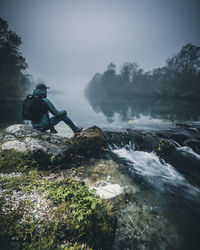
x=188 y=150
x=157 y=172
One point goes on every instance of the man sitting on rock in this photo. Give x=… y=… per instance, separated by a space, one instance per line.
x=48 y=123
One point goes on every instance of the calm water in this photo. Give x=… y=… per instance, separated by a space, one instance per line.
x=137 y=113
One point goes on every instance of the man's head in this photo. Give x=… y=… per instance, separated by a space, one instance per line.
x=41 y=86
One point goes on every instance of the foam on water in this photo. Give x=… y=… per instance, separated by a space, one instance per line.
x=188 y=150
x=156 y=172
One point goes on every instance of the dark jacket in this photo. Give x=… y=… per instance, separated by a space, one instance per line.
x=44 y=120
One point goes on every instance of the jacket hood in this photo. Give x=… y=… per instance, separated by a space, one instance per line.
x=39 y=93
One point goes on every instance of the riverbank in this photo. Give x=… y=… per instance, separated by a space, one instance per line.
x=139 y=201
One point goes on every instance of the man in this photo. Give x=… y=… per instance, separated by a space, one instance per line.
x=48 y=123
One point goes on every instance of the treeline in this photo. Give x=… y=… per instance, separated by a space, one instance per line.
x=179 y=78
x=13 y=79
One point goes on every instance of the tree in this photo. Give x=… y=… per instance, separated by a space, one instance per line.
x=12 y=63
x=187 y=60
x=129 y=71
x=112 y=67
x=179 y=78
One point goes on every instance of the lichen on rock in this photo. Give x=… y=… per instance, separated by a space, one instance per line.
x=47 y=213
x=42 y=145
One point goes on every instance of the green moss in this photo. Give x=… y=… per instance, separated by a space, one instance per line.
x=24 y=182
x=75 y=246
x=9 y=220
x=78 y=216
x=12 y=161
x=165 y=146
x=86 y=216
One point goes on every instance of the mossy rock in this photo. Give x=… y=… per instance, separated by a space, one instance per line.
x=12 y=161
x=87 y=216
x=76 y=219
x=91 y=141
x=165 y=147
x=49 y=149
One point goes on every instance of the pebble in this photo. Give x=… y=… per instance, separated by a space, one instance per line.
x=10 y=175
x=38 y=209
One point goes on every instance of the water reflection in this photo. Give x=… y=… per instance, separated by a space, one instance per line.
x=154 y=108
x=138 y=112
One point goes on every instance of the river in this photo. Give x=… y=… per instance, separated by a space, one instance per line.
x=140 y=113
x=176 y=194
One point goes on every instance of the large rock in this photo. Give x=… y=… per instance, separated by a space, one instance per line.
x=45 y=147
x=141 y=139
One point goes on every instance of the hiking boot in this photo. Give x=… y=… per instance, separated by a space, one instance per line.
x=53 y=131
x=78 y=130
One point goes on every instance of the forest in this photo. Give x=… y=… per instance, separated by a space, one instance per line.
x=179 y=78
x=13 y=78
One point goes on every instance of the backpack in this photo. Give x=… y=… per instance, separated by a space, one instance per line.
x=33 y=108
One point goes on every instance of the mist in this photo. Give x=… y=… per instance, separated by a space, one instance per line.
x=66 y=42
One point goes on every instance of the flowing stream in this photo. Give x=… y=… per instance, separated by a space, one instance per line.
x=156 y=172
x=176 y=193
x=178 y=198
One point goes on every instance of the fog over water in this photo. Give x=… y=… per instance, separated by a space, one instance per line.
x=66 y=42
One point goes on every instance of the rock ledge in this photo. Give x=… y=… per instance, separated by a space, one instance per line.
x=44 y=146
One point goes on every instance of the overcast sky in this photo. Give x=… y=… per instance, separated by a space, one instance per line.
x=65 y=42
